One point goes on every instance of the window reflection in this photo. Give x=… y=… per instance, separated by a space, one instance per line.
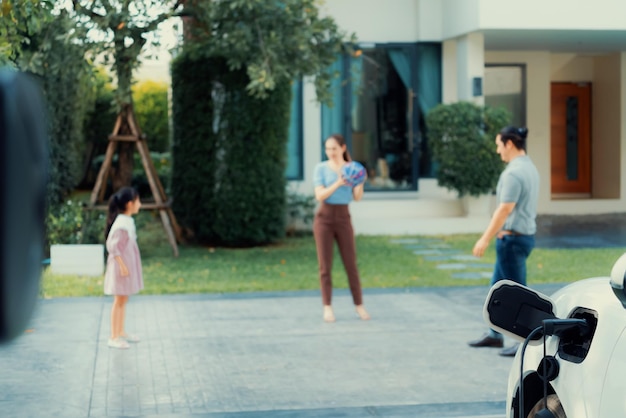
x=505 y=86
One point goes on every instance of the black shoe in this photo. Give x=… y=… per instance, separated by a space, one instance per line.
x=487 y=341
x=510 y=351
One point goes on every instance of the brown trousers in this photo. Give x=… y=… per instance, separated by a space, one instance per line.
x=332 y=222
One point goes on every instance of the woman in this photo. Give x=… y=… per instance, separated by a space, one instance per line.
x=332 y=222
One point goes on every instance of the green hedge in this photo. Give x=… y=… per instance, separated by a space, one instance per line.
x=99 y=124
x=229 y=154
x=67 y=87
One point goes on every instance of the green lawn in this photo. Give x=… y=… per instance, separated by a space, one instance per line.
x=292 y=265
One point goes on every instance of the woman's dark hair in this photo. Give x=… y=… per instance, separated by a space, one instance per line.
x=341 y=141
x=117 y=205
x=515 y=135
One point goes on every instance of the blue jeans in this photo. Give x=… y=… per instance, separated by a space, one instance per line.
x=511 y=254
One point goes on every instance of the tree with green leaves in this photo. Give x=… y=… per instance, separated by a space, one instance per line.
x=38 y=38
x=273 y=40
x=20 y=21
x=151 y=108
x=231 y=106
x=120 y=30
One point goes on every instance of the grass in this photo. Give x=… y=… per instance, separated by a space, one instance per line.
x=292 y=265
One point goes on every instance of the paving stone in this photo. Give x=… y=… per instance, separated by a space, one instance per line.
x=465 y=257
x=470 y=275
x=435 y=251
x=405 y=240
x=480 y=266
x=433 y=245
x=416 y=241
x=452 y=266
x=247 y=354
x=462 y=266
x=448 y=257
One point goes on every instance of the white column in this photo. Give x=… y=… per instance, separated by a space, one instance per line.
x=312 y=132
x=470 y=55
x=449 y=71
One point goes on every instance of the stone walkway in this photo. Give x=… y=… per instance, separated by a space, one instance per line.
x=258 y=355
x=465 y=266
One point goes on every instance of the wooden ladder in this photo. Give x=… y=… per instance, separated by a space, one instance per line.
x=127 y=129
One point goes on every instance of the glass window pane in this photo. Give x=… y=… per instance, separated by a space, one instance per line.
x=571 y=146
x=504 y=86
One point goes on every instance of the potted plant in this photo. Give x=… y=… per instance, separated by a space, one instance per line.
x=74 y=237
x=461 y=136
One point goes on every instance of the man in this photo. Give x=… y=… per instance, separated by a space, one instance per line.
x=513 y=222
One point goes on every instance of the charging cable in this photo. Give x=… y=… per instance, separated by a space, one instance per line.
x=548 y=327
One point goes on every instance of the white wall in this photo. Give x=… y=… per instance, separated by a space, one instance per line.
x=606 y=122
x=437 y=20
x=552 y=14
x=429 y=20
x=459 y=17
x=571 y=68
x=377 y=21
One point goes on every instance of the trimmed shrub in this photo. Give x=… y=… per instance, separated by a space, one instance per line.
x=193 y=149
x=229 y=154
x=462 y=138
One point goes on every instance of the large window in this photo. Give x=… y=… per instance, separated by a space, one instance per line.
x=378 y=105
x=294 y=145
x=505 y=85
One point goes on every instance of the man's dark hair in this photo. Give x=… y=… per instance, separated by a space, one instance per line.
x=515 y=135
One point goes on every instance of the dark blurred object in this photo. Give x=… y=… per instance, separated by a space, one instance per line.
x=23 y=177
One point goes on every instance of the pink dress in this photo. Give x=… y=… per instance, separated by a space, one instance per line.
x=122 y=242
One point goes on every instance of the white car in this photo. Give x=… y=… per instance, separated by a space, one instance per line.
x=581 y=368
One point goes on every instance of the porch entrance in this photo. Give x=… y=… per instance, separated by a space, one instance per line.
x=570 y=143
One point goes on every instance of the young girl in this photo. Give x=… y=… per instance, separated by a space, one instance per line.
x=332 y=223
x=123 y=275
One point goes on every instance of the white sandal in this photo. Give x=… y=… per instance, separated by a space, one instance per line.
x=130 y=338
x=118 y=343
x=329 y=316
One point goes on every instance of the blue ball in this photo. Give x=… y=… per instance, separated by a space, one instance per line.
x=354 y=173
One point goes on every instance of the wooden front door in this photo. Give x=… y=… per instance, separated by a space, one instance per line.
x=570 y=150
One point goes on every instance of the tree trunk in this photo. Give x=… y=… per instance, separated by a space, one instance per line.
x=123 y=176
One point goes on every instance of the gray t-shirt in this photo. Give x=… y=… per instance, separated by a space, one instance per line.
x=519 y=183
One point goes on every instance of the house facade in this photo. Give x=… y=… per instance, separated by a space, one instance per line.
x=558 y=66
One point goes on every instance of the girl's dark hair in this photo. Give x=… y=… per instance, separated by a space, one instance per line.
x=341 y=141
x=117 y=205
x=515 y=135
